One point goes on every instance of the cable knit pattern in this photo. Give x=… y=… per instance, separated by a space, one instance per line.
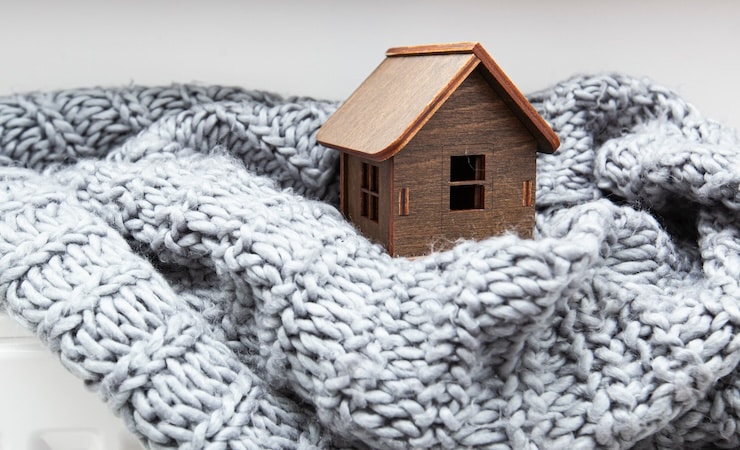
x=180 y=249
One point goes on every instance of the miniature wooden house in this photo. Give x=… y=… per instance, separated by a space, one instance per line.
x=437 y=144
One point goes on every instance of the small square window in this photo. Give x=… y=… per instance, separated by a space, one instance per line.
x=467 y=168
x=466 y=196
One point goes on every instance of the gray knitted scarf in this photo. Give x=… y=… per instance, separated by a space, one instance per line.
x=179 y=249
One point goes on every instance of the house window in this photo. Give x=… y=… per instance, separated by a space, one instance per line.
x=369 y=192
x=467 y=176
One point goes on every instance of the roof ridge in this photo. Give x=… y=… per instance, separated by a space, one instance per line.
x=433 y=49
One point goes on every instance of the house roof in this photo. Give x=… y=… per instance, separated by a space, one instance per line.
x=407 y=88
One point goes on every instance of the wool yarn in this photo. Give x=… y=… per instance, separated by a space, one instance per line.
x=179 y=248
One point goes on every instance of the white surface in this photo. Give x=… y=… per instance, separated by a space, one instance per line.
x=325 y=48
x=44 y=407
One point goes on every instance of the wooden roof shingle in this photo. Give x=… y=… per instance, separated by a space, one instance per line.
x=407 y=88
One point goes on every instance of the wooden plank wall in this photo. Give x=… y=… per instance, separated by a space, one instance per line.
x=473 y=121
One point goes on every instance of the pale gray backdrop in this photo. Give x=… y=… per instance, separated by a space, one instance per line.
x=325 y=48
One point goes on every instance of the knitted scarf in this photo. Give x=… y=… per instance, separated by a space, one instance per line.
x=180 y=250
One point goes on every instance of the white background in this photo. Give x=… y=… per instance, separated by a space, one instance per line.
x=325 y=48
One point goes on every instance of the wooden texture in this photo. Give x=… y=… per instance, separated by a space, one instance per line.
x=445 y=106
x=475 y=120
x=433 y=49
x=351 y=198
x=393 y=103
x=397 y=99
x=547 y=140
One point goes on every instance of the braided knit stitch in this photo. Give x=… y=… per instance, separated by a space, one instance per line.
x=180 y=250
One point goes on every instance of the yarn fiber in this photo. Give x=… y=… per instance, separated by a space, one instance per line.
x=180 y=249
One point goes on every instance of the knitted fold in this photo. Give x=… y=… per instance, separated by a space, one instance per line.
x=179 y=248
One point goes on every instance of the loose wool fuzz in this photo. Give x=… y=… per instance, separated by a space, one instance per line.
x=180 y=249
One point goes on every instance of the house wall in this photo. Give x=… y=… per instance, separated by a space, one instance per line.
x=474 y=120
x=350 y=201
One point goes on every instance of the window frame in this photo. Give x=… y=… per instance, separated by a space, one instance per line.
x=370 y=191
x=467 y=186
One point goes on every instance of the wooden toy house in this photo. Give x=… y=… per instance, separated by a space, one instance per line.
x=437 y=144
